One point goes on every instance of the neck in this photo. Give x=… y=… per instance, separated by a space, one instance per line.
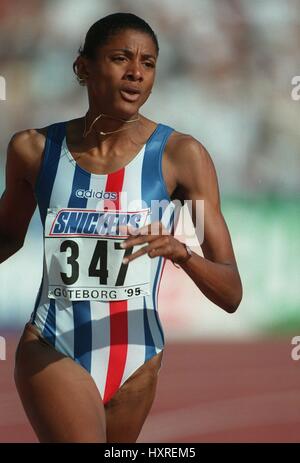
x=103 y=123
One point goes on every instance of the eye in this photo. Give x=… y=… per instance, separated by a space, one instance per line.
x=119 y=58
x=149 y=64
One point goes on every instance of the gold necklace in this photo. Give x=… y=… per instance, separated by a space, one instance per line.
x=85 y=132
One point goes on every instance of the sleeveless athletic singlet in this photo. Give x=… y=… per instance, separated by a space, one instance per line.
x=109 y=338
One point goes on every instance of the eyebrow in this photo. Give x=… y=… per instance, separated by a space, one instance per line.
x=130 y=52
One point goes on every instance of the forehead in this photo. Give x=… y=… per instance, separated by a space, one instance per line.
x=133 y=40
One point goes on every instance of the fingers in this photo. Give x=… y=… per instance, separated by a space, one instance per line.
x=143 y=235
x=133 y=256
x=151 y=234
x=158 y=247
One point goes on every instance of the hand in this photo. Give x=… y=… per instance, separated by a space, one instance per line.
x=159 y=243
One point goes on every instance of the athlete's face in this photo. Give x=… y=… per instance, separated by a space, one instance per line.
x=121 y=77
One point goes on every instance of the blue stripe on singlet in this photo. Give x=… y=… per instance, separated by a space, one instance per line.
x=43 y=191
x=153 y=185
x=37 y=301
x=81 y=309
x=49 y=331
x=154 y=293
x=48 y=170
x=149 y=343
x=156 y=280
x=153 y=188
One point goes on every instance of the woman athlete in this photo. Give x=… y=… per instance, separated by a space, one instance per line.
x=88 y=359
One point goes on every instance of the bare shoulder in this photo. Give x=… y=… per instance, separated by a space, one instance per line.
x=23 y=144
x=185 y=148
x=25 y=151
x=190 y=159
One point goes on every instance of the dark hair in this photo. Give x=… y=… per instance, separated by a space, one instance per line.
x=102 y=30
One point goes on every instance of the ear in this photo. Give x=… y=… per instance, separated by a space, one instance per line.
x=80 y=69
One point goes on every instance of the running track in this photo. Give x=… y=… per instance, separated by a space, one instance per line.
x=208 y=392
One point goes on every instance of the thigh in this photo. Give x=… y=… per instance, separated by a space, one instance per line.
x=127 y=411
x=60 y=398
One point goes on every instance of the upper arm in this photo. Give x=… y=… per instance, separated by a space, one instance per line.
x=197 y=180
x=18 y=202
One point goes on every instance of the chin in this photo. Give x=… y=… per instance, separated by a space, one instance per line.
x=125 y=110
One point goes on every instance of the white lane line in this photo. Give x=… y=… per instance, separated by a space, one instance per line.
x=223 y=415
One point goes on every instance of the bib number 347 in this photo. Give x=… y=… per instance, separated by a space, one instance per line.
x=91 y=268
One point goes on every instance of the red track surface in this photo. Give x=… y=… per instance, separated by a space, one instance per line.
x=208 y=392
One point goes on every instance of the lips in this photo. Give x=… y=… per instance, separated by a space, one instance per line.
x=130 y=94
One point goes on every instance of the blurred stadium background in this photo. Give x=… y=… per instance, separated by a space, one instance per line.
x=224 y=76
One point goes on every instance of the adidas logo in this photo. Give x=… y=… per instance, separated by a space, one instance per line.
x=80 y=193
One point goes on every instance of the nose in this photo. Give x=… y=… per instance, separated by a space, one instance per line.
x=134 y=72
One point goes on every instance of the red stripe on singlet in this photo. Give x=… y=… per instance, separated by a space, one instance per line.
x=118 y=312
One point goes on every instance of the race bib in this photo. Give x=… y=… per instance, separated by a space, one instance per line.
x=84 y=256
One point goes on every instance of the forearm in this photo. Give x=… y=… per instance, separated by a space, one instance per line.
x=220 y=283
